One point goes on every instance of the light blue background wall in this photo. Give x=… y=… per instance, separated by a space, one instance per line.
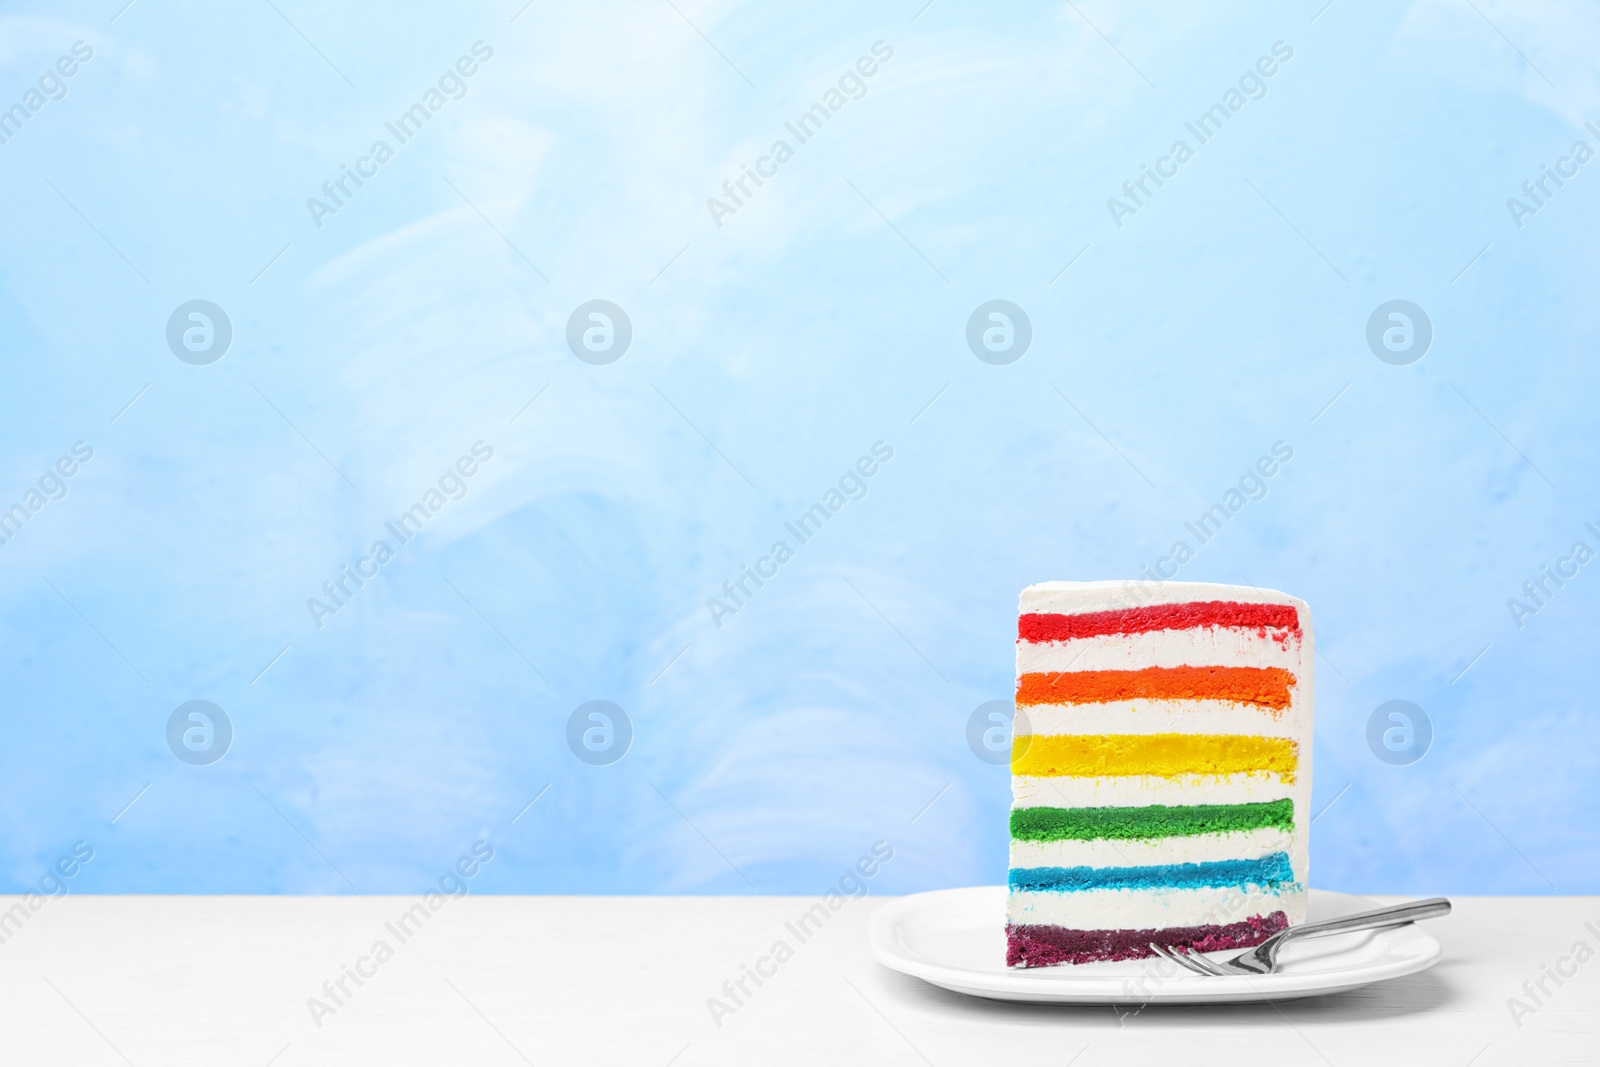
x=768 y=354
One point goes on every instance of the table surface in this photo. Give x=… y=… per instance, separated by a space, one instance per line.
x=626 y=980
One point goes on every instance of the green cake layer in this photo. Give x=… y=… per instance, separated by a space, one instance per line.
x=1156 y=820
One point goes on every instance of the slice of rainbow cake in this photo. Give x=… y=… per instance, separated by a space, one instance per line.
x=1161 y=769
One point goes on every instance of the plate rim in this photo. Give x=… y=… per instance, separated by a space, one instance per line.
x=1047 y=985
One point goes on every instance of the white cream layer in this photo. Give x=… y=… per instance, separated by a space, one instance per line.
x=1074 y=598
x=1133 y=791
x=1144 y=909
x=1205 y=646
x=1198 y=848
x=1156 y=717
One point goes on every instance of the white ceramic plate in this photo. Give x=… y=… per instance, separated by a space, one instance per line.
x=955 y=938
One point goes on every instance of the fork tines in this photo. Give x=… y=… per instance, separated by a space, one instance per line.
x=1189 y=960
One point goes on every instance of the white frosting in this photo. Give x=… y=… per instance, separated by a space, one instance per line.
x=1075 y=598
x=1134 y=791
x=1103 y=909
x=1144 y=909
x=1214 y=646
x=1200 y=848
x=1154 y=717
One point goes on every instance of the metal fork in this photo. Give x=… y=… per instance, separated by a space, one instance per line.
x=1263 y=959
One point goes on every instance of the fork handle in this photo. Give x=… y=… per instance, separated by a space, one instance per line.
x=1394 y=915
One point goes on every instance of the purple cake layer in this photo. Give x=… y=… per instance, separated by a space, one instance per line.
x=1048 y=946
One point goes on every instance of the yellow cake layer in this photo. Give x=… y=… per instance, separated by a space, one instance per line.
x=1159 y=755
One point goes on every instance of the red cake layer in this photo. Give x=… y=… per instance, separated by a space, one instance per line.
x=1041 y=627
x=1047 y=946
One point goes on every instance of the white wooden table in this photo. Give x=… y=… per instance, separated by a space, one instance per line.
x=168 y=981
